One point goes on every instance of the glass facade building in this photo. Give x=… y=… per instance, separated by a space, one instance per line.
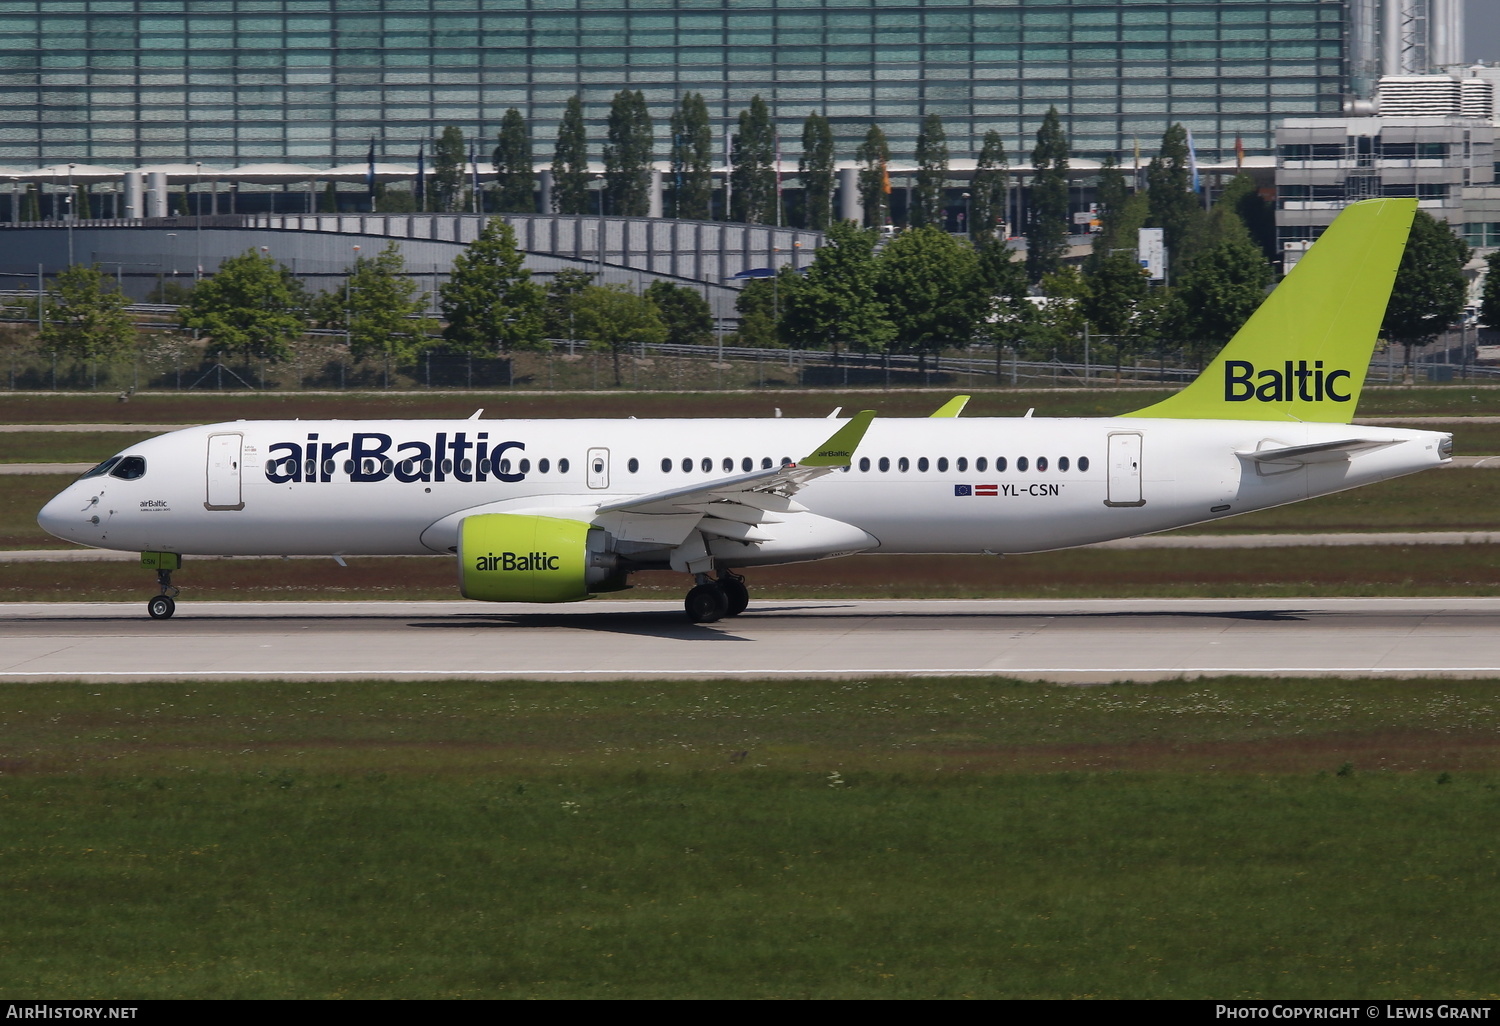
x=234 y=82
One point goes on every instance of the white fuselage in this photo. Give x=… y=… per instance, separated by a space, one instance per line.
x=956 y=485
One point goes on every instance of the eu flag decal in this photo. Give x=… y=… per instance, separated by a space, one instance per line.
x=963 y=490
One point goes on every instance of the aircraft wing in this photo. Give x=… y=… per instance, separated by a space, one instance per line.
x=1320 y=452
x=756 y=509
x=762 y=490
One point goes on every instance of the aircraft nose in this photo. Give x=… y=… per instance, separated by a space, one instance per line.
x=61 y=517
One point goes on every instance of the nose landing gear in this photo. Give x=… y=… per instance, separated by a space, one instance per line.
x=163 y=605
x=712 y=600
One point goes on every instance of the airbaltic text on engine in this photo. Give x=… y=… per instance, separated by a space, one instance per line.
x=512 y=561
x=374 y=456
x=1293 y=381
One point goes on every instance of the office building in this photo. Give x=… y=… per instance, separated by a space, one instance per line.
x=227 y=83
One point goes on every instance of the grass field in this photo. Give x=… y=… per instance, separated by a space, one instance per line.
x=1079 y=573
x=915 y=838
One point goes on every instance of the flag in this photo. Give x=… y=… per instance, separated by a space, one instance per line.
x=370 y=174
x=421 y=179
x=474 y=170
x=1239 y=154
x=885 y=179
x=1193 y=162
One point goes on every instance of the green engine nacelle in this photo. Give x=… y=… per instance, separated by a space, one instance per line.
x=505 y=557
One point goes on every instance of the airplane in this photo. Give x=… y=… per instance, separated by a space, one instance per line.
x=560 y=510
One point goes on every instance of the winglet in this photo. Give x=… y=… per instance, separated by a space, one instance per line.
x=838 y=451
x=953 y=407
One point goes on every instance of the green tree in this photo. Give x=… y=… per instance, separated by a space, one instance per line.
x=753 y=178
x=1122 y=216
x=1430 y=288
x=929 y=282
x=561 y=303
x=1116 y=289
x=613 y=320
x=1047 y=232
x=1004 y=291
x=1174 y=205
x=570 y=162
x=1221 y=290
x=449 y=171
x=328 y=202
x=989 y=190
x=932 y=173
x=837 y=301
x=628 y=153
x=1489 y=304
x=692 y=159
x=1255 y=212
x=1060 y=321
x=85 y=316
x=380 y=311
x=874 y=156
x=815 y=167
x=252 y=306
x=758 y=305
x=684 y=311
x=489 y=301
x=515 y=175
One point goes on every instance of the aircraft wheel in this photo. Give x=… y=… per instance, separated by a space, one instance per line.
x=735 y=593
x=706 y=603
x=161 y=607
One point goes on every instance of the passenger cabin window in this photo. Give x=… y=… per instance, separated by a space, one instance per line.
x=129 y=468
x=1062 y=463
x=1001 y=464
x=903 y=464
x=1021 y=463
x=747 y=464
x=885 y=464
x=562 y=466
x=922 y=464
x=864 y=464
x=982 y=464
x=666 y=465
x=633 y=465
x=942 y=464
x=962 y=463
x=1041 y=463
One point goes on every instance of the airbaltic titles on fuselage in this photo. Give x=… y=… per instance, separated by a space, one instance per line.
x=375 y=456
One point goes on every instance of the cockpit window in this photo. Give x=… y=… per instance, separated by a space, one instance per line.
x=129 y=468
x=102 y=468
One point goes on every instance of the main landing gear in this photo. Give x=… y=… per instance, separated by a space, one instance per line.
x=163 y=605
x=712 y=600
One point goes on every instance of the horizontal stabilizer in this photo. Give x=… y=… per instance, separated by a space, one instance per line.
x=1321 y=452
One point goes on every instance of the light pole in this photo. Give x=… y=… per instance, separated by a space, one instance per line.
x=70 y=215
x=198 y=232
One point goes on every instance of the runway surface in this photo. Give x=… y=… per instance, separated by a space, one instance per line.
x=1070 y=641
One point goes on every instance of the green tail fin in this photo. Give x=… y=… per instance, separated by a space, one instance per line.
x=1304 y=353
